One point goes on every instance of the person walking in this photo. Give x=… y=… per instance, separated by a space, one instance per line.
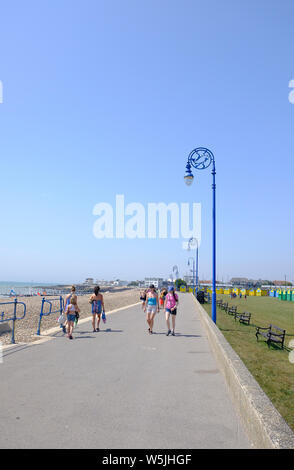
x=97 y=302
x=162 y=296
x=151 y=307
x=143 y=295
x=71 y=310
x=67 y=302
x=170 y=305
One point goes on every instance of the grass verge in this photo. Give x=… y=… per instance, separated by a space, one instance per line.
x=270 y=367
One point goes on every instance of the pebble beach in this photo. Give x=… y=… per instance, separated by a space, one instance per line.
x=26 y=329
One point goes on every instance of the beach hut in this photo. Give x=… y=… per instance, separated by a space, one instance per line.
x=292 y=295
x=244 y=292
x=219 y=290
x=289 y=295
x=236 y=291
x=260 y=292
x=252 y=292
x=272 y=293
x=183 y=289
x=191 y=289
x=227 y=291
x=284 y=294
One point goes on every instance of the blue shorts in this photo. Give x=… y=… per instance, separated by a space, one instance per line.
x=71 y=317
x=172 y=312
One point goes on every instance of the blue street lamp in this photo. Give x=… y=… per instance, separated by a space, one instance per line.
x=193 y=271
x=192 y=242
x=200 y=159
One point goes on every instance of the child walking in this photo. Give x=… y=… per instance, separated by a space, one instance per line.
x=71 y=310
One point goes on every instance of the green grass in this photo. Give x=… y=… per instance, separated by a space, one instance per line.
x=270 y=366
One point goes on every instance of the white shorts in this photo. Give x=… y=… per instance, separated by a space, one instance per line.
x=151 y=308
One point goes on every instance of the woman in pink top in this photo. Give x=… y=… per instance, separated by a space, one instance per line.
x=170 y=305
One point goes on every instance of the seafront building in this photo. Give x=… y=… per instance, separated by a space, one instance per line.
x=156 y=281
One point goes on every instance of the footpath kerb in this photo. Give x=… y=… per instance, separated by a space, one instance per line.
x=264 y=425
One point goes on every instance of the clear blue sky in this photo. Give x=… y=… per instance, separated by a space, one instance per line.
x=109 y=97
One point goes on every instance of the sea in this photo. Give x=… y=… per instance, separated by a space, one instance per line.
x=12 y=289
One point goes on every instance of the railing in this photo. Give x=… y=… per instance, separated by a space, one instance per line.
x=45 y=314
x=14 y=318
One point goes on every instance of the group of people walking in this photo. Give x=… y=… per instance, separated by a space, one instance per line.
x=152 y=302
x=167 y=299
x=71 y=311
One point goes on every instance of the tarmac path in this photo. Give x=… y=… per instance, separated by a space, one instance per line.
x=120 y=388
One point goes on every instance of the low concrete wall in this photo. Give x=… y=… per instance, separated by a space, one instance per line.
x=263 y=423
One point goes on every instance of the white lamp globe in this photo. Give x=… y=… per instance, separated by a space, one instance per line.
x=188 y=179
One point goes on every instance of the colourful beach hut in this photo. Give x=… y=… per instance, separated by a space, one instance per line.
x=284 y=294
x=236 y=291
x=227 y=291
x=289 y=294
x=244 y=291
x=260 y=292
x=272 y=293
x=183 y=289
x=219 y=290
x=252 y=292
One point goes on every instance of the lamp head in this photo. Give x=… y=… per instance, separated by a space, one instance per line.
x=188 y=175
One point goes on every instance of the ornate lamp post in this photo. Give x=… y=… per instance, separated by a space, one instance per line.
x=200 y=159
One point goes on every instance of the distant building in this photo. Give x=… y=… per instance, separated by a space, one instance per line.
x=119 y=283
x=189 y=280
x=156 y=281
x=102 y=282
x=89 y=281
x=282 y=283
x=239 y=281
x=246 y=283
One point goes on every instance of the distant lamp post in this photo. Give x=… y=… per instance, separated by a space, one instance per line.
x=192 y=242
x=193 y=270
x=200 y=159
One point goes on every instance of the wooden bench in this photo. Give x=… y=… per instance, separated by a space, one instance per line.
x=243 y=317
x=219 y=303
x=207 y=298
x=225 y=306
x=232 y=310
x=272 y=333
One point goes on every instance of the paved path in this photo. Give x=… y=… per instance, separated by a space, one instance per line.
x=120 y=388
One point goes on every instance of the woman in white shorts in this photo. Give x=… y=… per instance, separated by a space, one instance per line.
x=151 y=307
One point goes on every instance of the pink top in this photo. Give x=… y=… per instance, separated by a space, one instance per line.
x=171 y=301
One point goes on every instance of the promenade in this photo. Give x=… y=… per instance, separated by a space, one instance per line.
x=119 y=388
